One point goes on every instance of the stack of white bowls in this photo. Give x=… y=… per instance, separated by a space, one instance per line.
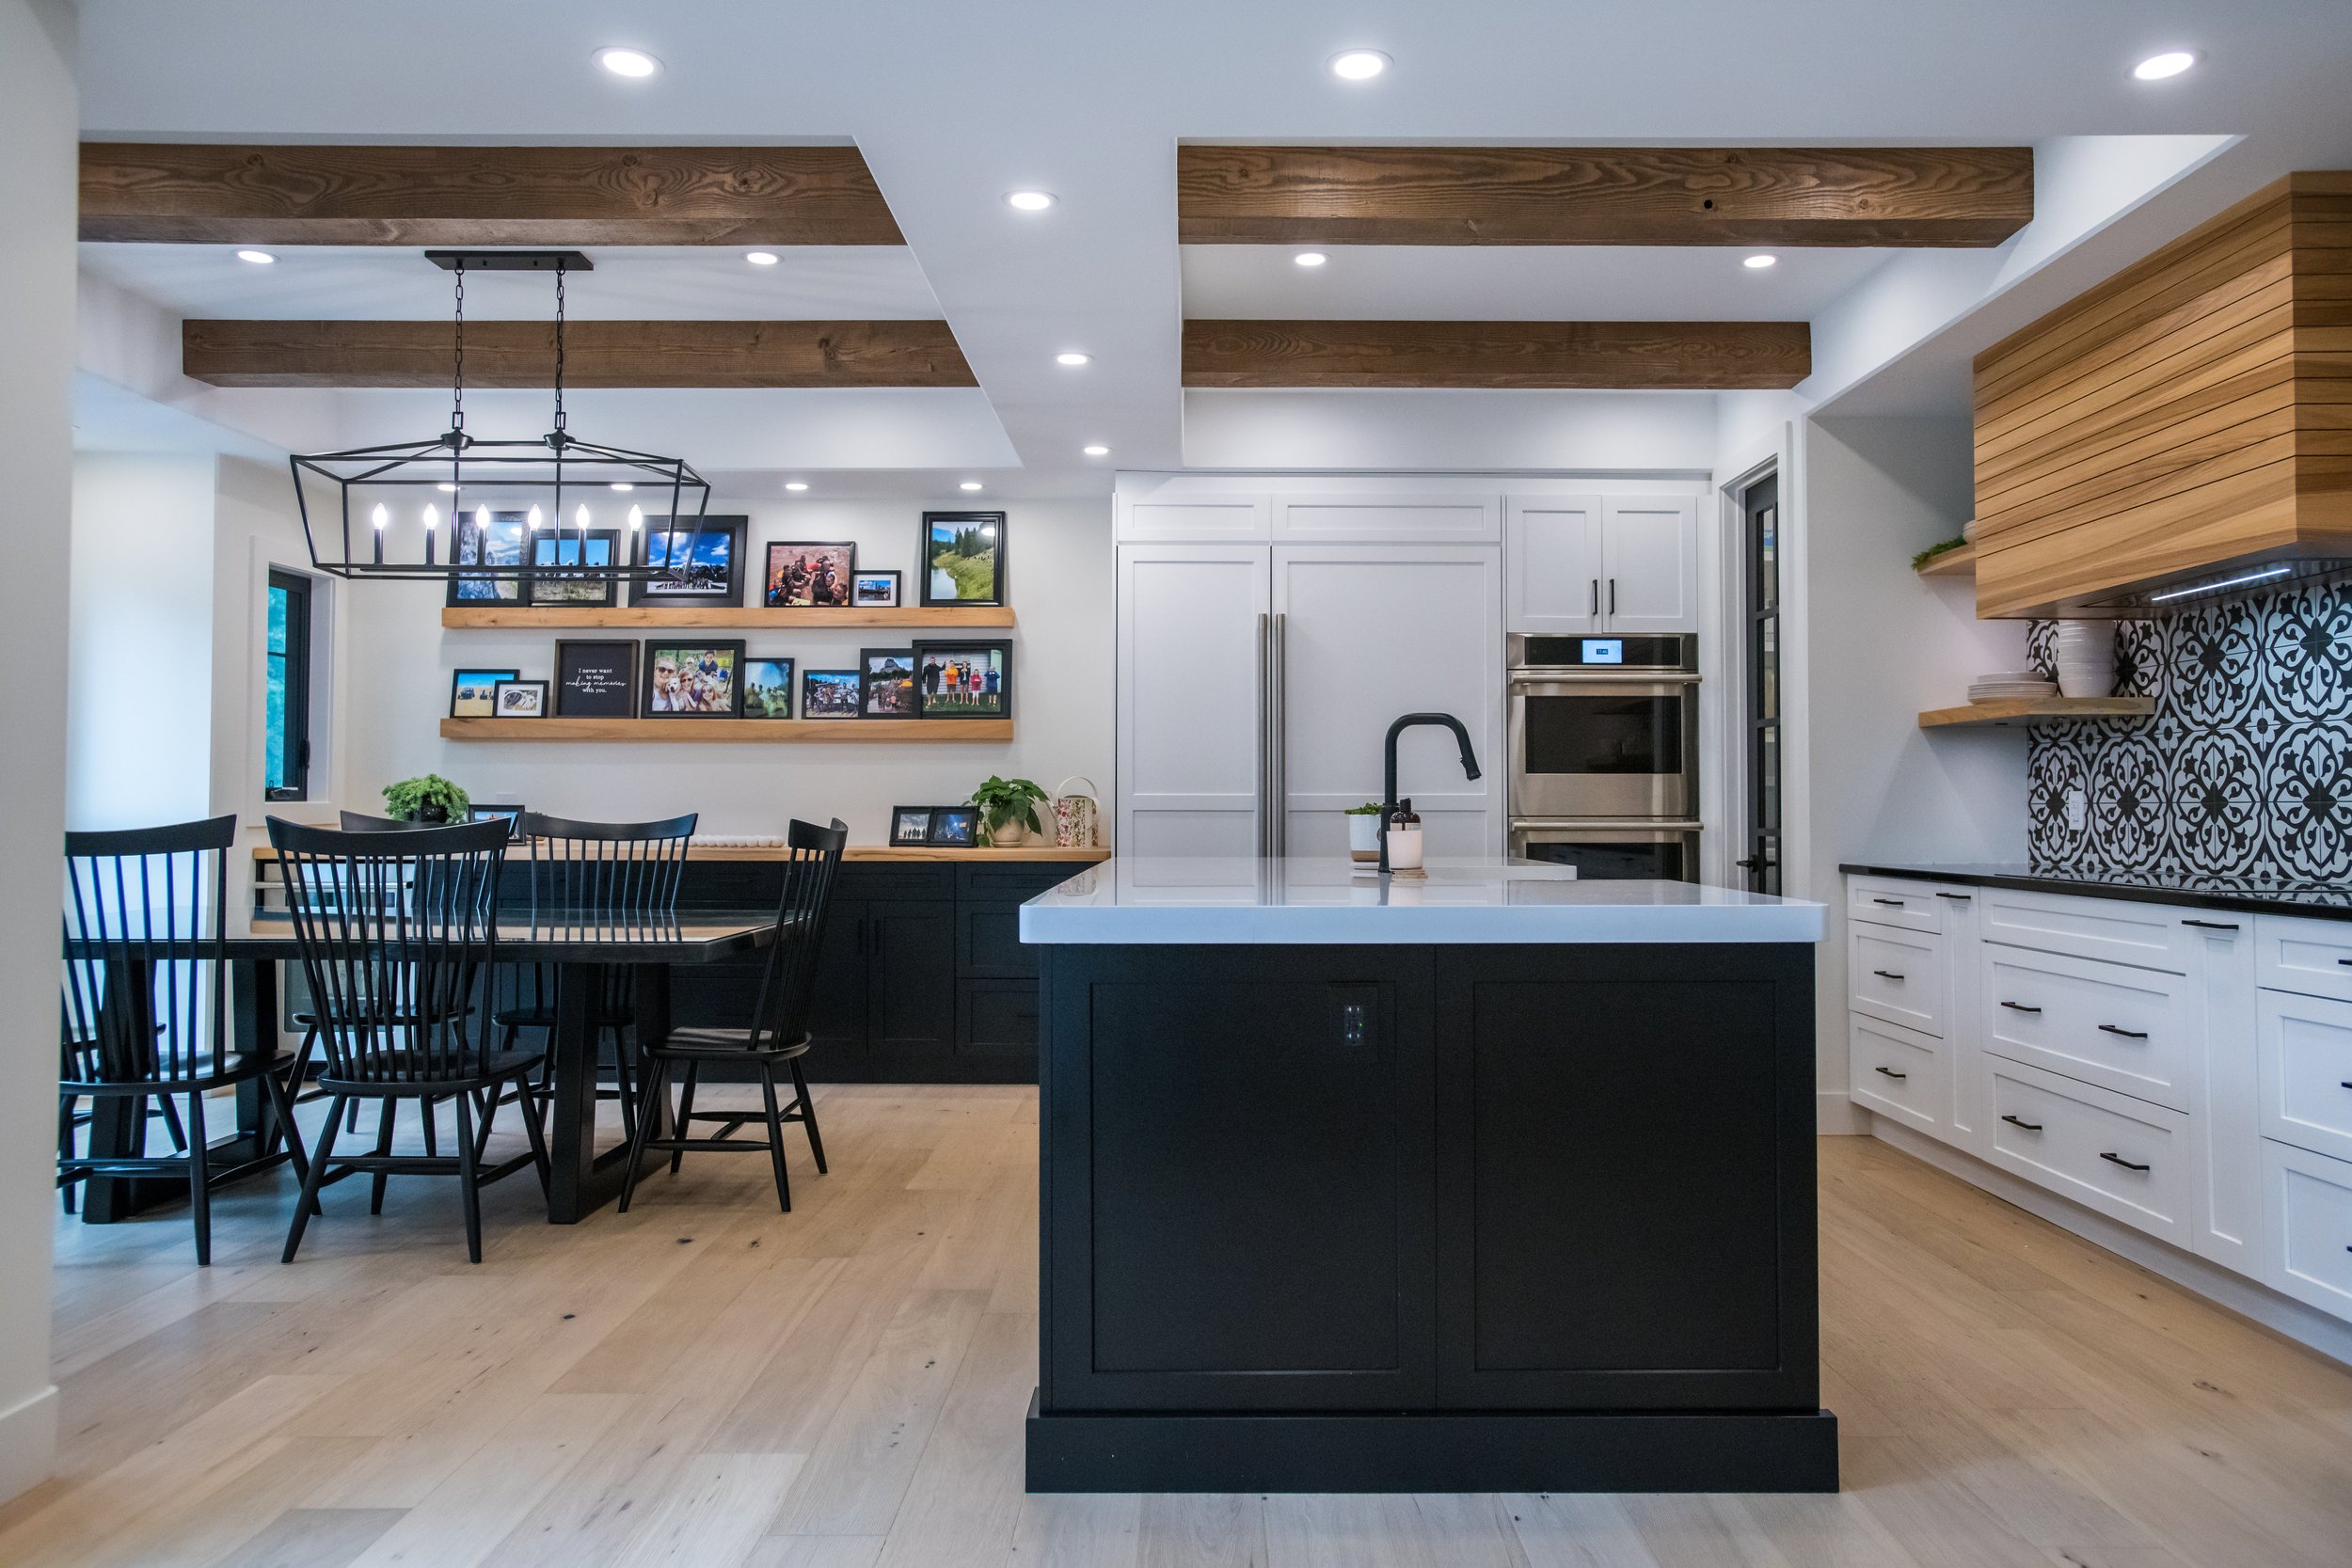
x=2086 y=659
x=2008 y=684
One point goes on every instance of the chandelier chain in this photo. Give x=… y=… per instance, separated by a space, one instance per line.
x=559 y=345
x=457 y=386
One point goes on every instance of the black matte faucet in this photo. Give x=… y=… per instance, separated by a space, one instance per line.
x=1388 y=777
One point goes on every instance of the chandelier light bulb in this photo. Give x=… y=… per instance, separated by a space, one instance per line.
x=580 y=517
x=481 y=517
x=380 y=516
x=534 y=518
x=431 y=517
x=636 y=517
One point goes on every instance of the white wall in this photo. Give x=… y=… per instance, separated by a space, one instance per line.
x=139 y=709
x=39 y=122
x=1458 y=430
x=1057 y=569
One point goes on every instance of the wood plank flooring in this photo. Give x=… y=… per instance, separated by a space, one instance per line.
x=706 y=1382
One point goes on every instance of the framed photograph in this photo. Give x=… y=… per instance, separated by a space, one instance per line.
x=565 y=547
x=829 y=694
x=498 y=542
x=964 y=558
x=803 y=576
x=596 y=679
x=963 y=680
x=910 y=825
x=874 y=589
x=955 y=827
x=704 y=554
x=510 y=813
x=471 y=691
x=696 y=677
x=767 y=688
x=519 y=699
x=886 y=683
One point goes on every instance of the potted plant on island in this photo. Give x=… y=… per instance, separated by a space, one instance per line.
x=1363 y=831
x=429 y=798
x=1009 y=811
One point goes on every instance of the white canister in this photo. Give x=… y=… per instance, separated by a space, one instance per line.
x=1363 y=836
x=2084 y=654
x=1075 y=813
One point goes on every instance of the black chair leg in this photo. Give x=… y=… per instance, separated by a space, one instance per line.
x=776 y=1135
x=351 y=1113
x=309 y=1204
x=383 y=1149
x=199 y=1180
x=685 y=1114
x=429 y=1112
x=535 y=1128
x=293 y=1086
x=624 y=1082
x=656 y=1074
x=172 y=1123
x=281 y=1106
x=469 y=1190
x=808 y=1115
x=65 y=1146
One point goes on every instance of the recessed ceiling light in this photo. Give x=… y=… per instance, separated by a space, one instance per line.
x=1759 y=263
x=1358 y=65
x=760 y=258
x=1309 y=259
x=969 y=485
x=1030 y=202
x=1072 y=358
x=1097 y=451
x=627 y=62
x=446 y=487
x=259 y=257
x=623 y=487
x=2155 y=68
x=796 y=485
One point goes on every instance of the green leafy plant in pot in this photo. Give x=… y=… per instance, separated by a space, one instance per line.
x=430 y=798
x=1008 y=804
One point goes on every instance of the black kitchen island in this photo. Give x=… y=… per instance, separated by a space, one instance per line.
x=1489 y=1180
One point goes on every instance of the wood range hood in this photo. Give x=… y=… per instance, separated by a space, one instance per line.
x=2185 y=422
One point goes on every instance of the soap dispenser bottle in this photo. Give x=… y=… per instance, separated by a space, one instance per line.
x=1405 y=838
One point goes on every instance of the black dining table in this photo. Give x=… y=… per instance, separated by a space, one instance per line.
x=579 y=946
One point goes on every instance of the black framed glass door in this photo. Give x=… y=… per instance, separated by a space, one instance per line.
x=1760 y=531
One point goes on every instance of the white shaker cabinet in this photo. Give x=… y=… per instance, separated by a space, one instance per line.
x=1582 y=564
x=1649 y=564
x=1190 y=649
x=1553 y=545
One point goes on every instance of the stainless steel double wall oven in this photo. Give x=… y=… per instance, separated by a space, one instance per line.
x=1604 y=738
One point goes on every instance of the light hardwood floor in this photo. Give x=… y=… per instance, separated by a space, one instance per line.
x=708 y=1383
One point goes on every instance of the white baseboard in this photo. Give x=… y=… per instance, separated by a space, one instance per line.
x=1834 y=1115
x=28 y=1443
x=2306 y=1326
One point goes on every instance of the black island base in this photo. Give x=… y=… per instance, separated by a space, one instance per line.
x=1381 y=1218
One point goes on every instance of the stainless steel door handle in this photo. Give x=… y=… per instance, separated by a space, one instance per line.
x=1265 y=749
x=1280 y=694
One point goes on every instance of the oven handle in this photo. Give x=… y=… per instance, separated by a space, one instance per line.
x=1552 y=678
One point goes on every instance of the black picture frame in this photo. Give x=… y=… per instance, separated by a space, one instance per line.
x=859 y=579
x=725 y=587
x=948 y=654
x=501 y=545
x=760 y=675
x=910 y=825
x=509 y=812
x=955 y=827
x=947 y=524
x=840 y=556
x=596 y=678
x=660 y=700
x=828 y=695
x=482 y=679
x=507 y=698
x=882 y=695
x=563 y=548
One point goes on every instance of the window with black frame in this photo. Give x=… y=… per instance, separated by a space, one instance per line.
x=1760 y=509
x=286 y=703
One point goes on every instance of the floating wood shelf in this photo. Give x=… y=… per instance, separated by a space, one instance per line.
x=735 y=731
x=1960 y=562
x=685 y=618
x=2015 y=710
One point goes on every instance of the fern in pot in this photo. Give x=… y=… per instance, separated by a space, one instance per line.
x=428 y=798
x=1009 y=811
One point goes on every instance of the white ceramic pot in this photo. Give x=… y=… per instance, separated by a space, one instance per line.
x=1010 y=836
x=1363 y=837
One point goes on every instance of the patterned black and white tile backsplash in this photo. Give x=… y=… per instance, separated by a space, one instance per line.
x=2245 y=771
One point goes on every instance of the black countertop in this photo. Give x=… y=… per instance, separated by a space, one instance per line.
x=2322 y=903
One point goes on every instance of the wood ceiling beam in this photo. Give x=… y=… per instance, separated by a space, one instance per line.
x=596 y=354
x=181 y=192
x=1714 y=355
x=1663 y=196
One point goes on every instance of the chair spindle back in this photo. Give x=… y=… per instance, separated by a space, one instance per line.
x=146 y=989
x=787 y=984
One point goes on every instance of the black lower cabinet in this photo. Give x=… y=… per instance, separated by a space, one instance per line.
x=1394 y=1219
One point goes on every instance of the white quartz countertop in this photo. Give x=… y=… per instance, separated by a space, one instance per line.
x=1255 y=902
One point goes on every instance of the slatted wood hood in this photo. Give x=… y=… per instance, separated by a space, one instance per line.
x=2186 y=420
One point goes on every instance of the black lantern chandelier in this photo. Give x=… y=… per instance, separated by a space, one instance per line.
x=495 y=516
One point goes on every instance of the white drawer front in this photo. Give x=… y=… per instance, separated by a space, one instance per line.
x=1901 y=1074
x=2304 y=1047
x=2313 y=957
x=2307 y=1212
x=1912 y=905
x=2126 y=1159
x=2115 y=930
x=2123 y=1029
x=1895 y=975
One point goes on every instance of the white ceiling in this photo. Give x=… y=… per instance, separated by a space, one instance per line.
x=954 y=103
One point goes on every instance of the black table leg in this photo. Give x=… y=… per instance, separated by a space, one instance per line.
x=574 y=1189
x=253 y=1025
x=117 y=1122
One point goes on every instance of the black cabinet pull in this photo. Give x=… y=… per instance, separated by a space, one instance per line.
x=1886 y=974
x=1597 y=599
x=1890 y=1072
x=2118 y=1160
x=2212 y=924
x=1613 y=595
x=2020 y=1007
x=2346 y=963
x=2345 y=1085
x=2127 y=1034
x=1896 y=903
x=2028 y=1126
x=1961 y=897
